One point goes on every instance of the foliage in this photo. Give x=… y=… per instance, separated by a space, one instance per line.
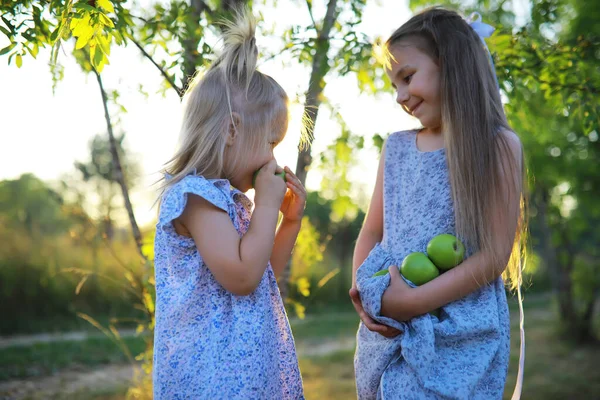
x=43 y=359
x=49 y=246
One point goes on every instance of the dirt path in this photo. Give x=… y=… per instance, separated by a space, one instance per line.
x=69 y=384
x=74 y=384
x=323 y=348
x=28 y=340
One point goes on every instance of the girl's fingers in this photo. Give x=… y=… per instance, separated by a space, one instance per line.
x=292 y=175
x=293 y=180
x=369 y=322
x=299 y=192
x=394 y=273
x=296 y=182
x=364 y=317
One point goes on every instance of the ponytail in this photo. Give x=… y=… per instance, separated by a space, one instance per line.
x=231 y=84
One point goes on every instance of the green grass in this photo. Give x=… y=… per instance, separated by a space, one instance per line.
x=68 y=323
x=47 y=358
x=329 y=377
x=554 y=368
x=317 y=327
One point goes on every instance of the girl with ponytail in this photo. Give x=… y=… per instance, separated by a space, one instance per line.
x=221 y=328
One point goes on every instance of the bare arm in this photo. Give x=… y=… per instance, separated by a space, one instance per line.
x=238 y=264
x=284 y=244
x=372 y=229
x=292 y=208
x=402 y=303
x=370 y=233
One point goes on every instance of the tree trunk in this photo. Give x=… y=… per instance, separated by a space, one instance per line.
x=191 y=56
x=344 y=252
x=587 y=326
x=119 y=170
x=577 y=327
x=190 y=45
x=316 y=84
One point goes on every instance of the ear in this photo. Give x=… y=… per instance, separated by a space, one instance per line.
x=233 y=129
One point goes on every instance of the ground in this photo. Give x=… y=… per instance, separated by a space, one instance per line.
x=78 y=366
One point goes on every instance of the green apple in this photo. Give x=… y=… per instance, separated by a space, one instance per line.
x=381 y=273
x=281 y=174
x=446 y=251
x=418 y=269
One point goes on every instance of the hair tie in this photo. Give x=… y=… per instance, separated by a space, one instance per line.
x=483 y=31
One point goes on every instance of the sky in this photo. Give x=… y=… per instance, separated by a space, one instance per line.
x=44 y=133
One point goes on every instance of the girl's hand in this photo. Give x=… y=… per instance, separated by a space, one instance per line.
x=370 y=323
x=396 y=297
x=294 y=200
x=270 y=188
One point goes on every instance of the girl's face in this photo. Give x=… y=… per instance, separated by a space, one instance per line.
x=416 y=79
x=251 y=157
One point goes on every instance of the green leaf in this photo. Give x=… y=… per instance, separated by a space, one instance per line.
x=7 y=48
x=12 y=29
x=55 y=32
x=106 y=5
x=105 y=20
x=5 y=31
x=19 y=60
x=81 y=42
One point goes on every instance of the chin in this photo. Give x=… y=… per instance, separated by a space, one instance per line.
x=244 y=186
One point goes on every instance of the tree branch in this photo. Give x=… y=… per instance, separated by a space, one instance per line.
x=119 y=169
x=164 y=73
x=312 y=17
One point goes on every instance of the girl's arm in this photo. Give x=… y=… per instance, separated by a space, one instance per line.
x=402 y=303
x=370 y=233
x=372 y=229
x=292 y=209
x=238 y=264
x=285 y=239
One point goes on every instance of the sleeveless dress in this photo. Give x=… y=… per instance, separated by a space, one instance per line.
x=208 y=342
x=464 y=353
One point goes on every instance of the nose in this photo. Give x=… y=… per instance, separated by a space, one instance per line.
x=402 y=95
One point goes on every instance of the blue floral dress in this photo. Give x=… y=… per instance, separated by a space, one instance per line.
x=464 y=353
x=208 y=342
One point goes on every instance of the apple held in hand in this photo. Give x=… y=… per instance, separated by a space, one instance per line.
x=446 y=251
x=281 y=174
x=381 y=273
x=418 y=269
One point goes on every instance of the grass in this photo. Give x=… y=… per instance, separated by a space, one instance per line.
x=554 y=368
x=67 y=323
x=44 y=359
x=329 y=377
x=317 y=327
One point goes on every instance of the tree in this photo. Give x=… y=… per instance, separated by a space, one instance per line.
x=29 y=203
x=100 y=170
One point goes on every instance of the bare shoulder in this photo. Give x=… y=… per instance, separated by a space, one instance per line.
x=195 y=207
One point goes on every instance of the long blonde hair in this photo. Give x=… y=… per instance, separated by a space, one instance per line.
x=479 y=156
x=230 y=85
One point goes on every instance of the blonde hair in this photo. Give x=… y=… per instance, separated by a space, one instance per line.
x=479 y=156
x=230 y=85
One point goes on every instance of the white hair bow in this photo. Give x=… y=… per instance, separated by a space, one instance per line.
x=483 y=31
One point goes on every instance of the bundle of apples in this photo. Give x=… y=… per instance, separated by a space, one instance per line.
x=444 y=252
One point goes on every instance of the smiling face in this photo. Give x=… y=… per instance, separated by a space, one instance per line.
x=416 y=78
